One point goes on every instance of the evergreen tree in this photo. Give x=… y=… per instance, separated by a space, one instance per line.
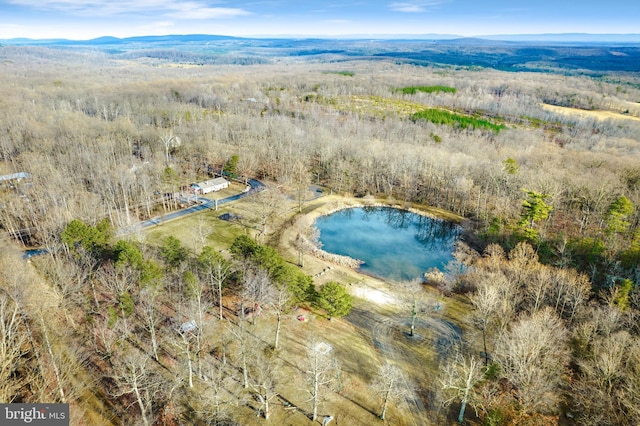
x=617 y=215
x=173 y=252
x=334 y=299
x=534 y=209
x=231 y=167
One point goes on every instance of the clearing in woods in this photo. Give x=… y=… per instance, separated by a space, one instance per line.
x=375 y=332
x=583 y=113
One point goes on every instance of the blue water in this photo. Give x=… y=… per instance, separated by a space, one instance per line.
x=394 y=244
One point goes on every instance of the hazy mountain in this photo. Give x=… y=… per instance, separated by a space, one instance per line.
x=567 y=38
x=199 y=38
x=575 y=53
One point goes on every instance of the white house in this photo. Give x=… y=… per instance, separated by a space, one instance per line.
x=210 y=185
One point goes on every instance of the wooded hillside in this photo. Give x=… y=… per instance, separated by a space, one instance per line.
x=109 y=142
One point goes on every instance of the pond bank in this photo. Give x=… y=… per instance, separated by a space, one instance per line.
x=323 y=270
x=336 y=204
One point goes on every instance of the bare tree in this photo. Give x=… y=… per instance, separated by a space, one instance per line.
x=533 y=356
x=486 y=301
x=245 y=348
x=268 y=205
x=148 y=301
x=216 y=270
x=169 y=142
x=307 y=238
x=569 y=292
x=631 y=392
x=458 y=379
x=391 y=385
x=280 y=304
x=418 y=301
x=12 y=347
x=301 y=179
x=133 y=375
x=200 y=234
x=183 y=344
x=216 y=399
x=258 y=291
x=106 y=336
x=264 y=379
x=319 y=371
x=119 y=281
x=55 y=364
x=538 y=287
x=68 y=276
x=606 y=371
x=199 y=306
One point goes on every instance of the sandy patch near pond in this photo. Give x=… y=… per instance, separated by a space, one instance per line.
x=373 y=295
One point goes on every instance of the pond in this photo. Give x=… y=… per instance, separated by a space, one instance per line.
x=393 y=243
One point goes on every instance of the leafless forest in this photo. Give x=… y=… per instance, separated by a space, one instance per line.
x=548 y=271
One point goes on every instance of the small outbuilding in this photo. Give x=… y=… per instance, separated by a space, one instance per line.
x=188 y=327
x=211 y=185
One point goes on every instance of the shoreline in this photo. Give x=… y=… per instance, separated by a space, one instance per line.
x=309 y=219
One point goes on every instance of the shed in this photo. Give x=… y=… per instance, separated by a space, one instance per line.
x=210 y=185
x=188 y=326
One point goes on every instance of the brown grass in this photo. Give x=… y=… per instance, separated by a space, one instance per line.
x=371 y=335
x=597 y=114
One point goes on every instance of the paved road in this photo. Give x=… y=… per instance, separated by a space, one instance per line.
x=203 y=204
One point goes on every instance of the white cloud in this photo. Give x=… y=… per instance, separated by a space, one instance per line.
x=155 y=27
x=413 y=6
x=195 y=10
x=171 y=8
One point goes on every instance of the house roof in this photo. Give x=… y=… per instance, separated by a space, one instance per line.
x=212 y=182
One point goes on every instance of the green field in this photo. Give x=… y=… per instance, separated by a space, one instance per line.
x=412 y=90
x=440 y=116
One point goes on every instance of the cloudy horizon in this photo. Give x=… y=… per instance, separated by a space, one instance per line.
x=86 y=19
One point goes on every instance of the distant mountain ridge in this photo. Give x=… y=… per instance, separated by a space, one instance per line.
x=567 y=37
x=564 y=53
x=178 y=38
x=193 y=38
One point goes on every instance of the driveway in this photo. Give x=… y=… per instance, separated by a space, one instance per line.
x=203 y=204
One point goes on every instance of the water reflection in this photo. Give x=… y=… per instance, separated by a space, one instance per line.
x=433 y=232
x=397 y=218
x=393 y=243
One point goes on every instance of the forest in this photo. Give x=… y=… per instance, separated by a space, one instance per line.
x=239 y=321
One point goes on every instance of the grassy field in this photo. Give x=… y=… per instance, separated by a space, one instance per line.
x=581 y=113
x=206 y=227
x=412 y=90
x=440 y=116
x=377 y=106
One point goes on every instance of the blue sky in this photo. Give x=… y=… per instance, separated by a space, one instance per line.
x=84 y=19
